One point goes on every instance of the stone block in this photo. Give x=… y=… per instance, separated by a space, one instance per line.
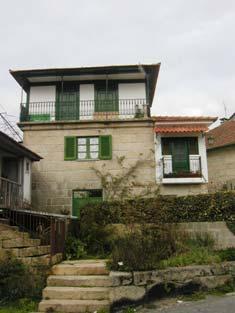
x=131 y=293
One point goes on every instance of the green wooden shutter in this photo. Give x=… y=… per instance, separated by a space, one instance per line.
x=105 y=148
x=70 y=148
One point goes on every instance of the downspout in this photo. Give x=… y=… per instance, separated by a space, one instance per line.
x=142 y=70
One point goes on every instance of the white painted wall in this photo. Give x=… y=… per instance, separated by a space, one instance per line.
x=132 y=91
x=130 y=96
x=46 y=94
x=87 y=97
x=27 y=180
x=42 y=93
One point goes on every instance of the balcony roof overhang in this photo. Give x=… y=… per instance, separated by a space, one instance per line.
x=148 y=72
x=16 y=149
x=182 y=124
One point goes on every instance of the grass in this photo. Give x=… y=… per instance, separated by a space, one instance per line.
x=21 y=306
x=196 y=256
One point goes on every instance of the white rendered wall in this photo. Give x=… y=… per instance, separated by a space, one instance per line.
x=131 y=91
x=27 y=181
x=130 y=95
x=87 y=96
x=45 y=94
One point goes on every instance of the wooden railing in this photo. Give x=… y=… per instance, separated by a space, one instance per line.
x=11 y=194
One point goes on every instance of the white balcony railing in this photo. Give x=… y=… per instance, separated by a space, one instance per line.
x=11 y=194
x=194 y=169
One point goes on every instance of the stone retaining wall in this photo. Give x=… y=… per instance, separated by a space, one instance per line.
x=219 y=231
x=136 y=286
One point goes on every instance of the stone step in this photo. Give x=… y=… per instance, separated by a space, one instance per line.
x=30 y=251
x=12 y=234
x=80 y=281
x=58 y=257
x=80 y=268
x=72 y=306
x=76 y=293
x=20 y=243
x=4 y=221
x=42 y=260
x=8 y=227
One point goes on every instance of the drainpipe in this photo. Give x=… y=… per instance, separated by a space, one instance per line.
x=142 y=70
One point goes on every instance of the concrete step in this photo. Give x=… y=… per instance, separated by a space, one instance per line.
x=79 y=281
x=76 y=293
x=80 y=268
x=72 y=306
x=30 y=251
x=20 y=243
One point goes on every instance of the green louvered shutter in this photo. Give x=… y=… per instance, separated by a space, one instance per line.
x=105 y=147
x=70 y=148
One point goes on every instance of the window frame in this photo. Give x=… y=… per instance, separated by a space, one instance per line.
x=88 y=151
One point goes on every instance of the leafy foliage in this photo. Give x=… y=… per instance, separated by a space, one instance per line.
x=18 y=281
x=142 y=248
x=74 y=248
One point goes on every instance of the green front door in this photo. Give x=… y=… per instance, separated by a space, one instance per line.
x=67 y=104
x=106 y=97
x=84 y=197
x=180 y=156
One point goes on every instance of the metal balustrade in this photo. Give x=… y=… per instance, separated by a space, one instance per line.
x=84 y=110
x=11 y=194
x=194 y=170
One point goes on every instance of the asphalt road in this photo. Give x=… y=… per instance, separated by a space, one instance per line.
x=212 y=304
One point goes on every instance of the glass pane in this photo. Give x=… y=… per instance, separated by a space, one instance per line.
x=166 y=146
x=94 y=148
x=82 y=148
x=81 y=155
x=94 y=141
x=193 y=145
x=94 y=155
x=81 y=141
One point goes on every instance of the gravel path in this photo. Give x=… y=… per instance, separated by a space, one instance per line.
x=212 y=304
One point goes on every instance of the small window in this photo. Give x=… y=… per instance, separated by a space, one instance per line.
x=27 y=167
x=88 y=148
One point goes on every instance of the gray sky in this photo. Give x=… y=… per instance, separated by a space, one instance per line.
x=194 y=41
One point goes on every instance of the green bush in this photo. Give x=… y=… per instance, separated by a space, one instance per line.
x=74 y=248
x=218 y=206
x=142 y=249
x=227 y=254
x=18 y=281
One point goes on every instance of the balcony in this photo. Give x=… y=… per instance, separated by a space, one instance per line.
x=190 y=168
x=84 y=110
x=11 y=194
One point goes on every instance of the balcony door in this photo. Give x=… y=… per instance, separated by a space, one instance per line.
x=67 y=104
x=106 y=97
x=180 y=155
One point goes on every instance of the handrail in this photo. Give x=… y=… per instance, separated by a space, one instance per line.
x=9 y=181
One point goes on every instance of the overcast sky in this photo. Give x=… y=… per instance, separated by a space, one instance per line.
x=193 y=39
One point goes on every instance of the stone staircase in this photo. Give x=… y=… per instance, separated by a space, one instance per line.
x=19 y=244
x=77 y=286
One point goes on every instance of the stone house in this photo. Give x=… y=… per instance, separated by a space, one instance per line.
x=91 y=122
x=15 y=172
x=221 y=155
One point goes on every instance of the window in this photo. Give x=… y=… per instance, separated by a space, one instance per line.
x=88 y=148
x=27 y=167
x=179 y=150
x=106 y=96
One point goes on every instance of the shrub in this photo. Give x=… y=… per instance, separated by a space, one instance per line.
x=74 y=248
x=227 y=254
x=17 y=281
x=143 y=248
x=219 y=206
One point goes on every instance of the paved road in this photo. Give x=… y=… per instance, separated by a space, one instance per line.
x=212 y=304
